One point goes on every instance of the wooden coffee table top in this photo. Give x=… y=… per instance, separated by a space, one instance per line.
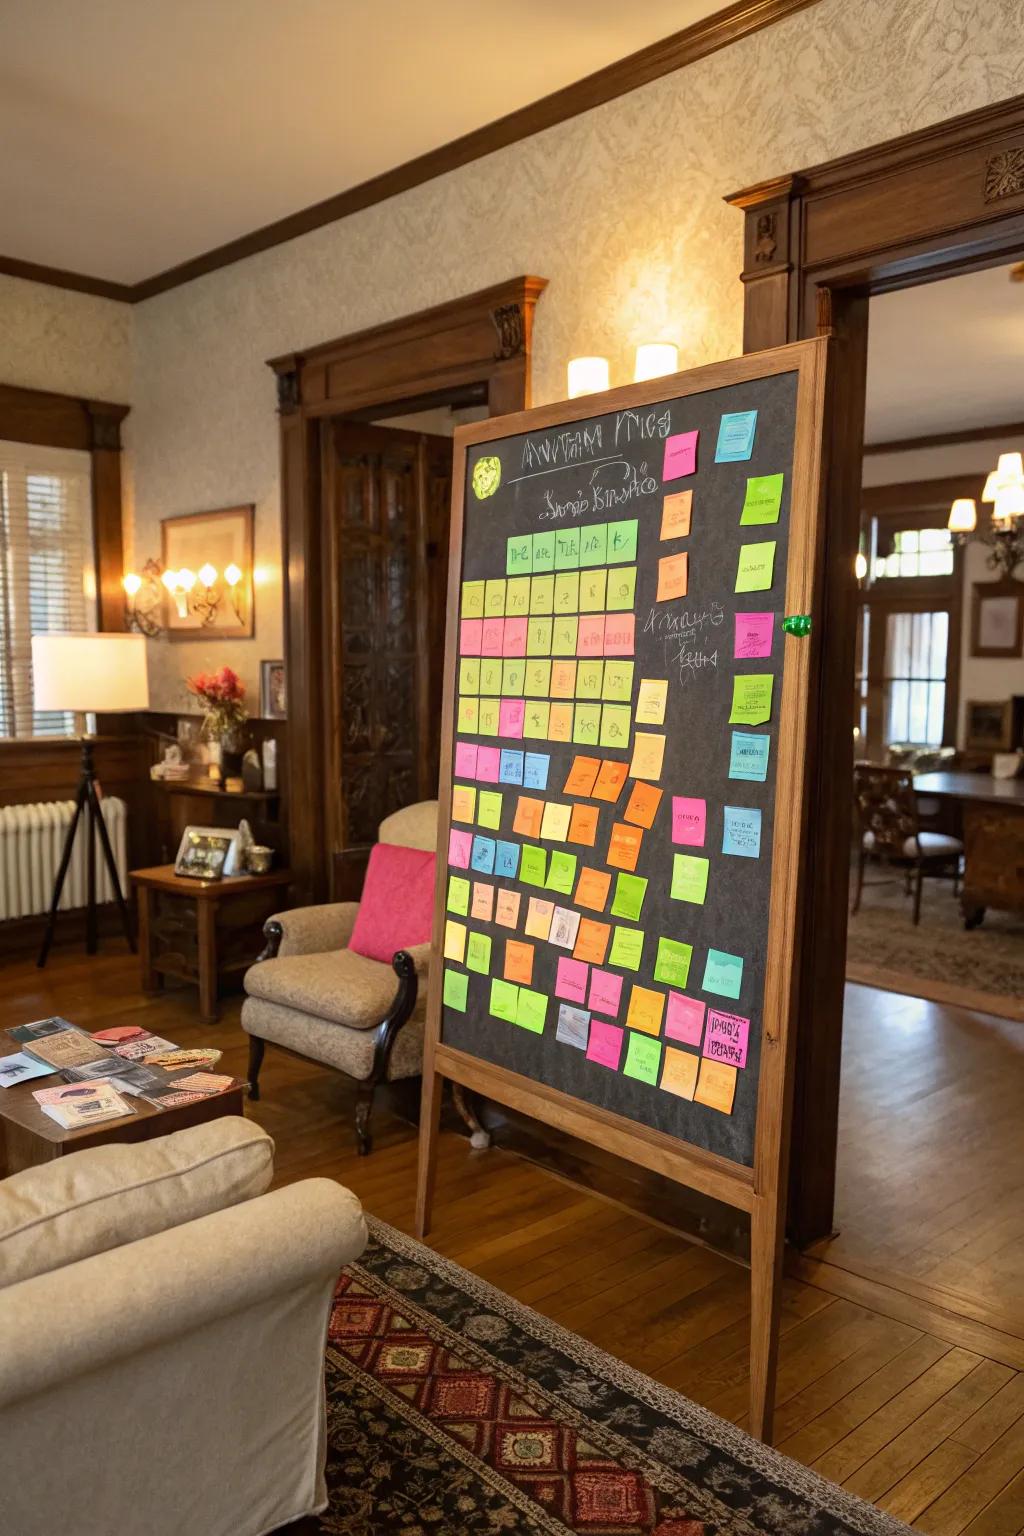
x=161 y=877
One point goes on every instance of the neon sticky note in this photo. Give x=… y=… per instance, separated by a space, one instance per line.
x=517 y=598
x=753 y=635
x=535 y=720
x=478 y=953
x=582 y=776
x=472 y=606
x=513 y=639
x=454 y=940
x=492 y=632
x=689 y=878
x=488 y=716
x=560 y=718
x=605 y=1044
x=590 y=675
x=762 y=501
x=648 y=755
x=554 y=826
x=673 y=963
x=679 y=1073
x=482 y=857
x=491 y=672
x=565 y=925
x=680 y=455
x=627 y=948
x=532 y=1012
x=748 y=757
x=564 y=632
x=533 y=865
x=723 y=974
x=538 y=678
x=651 y=700
x=463 y=803
x=645 y=1011
x=643 y=1059
x=513 y=675
x=506 y=908
x=675 y=515
x=561 y=872
x=488 y=812
x=571 y=980
x=518 y=961
x=622 y=542
x=586 y=729
x=623 y=846
x=621 y=589
x=605 y=992
x=538 y=637
x=615 y=726
x=628 y=900
x=751 y=698
x=456 y=989
x=567 y=549
x=469 y=674
x=592 y=941
x=535 y=770
x=642 y=805
x=528 y=817
x=716 y=1086
x=727 y=1037
x=471 y=636
x=510 y=768
x=592 y=889
x=519 y=555
x=742 y=831
x=583 y=825
x=609 y=781
x=504 y=1000
x=563 y=680
x=542 y=594
x=618 y=682
x=594 y=544
x=458 y=895
x=510 y=717
x=506 y=860
x=755 y=567
x=567 y=592
x=465 y=759
x=590 y=635
x=494 y=598
x=538 y=917
x=573 y=1027
x=469 y=714
x=618 y=634
x=672 y=572
x=735 y=436
x=684 y=1019
x=543 y=552
x=689 y=820
x=483 y=901
x=460 y=846
x=488 y=764
x=593 y=590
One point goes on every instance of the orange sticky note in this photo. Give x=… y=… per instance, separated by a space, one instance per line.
x=483 y=901
x=623 y=846
x=642 y=805
x=560 y=722
x=592 y=941
x=538 y=918
x=648 y=755
x=454 y=941
x=506 y=909
x=529 y=814
x=645 y=1010
x=716 y=1086
x=592 y=889
x=671 y=577
x=563 y=679
x=679 y=1073
x=582 y=774
x=583 y=825
x=609 y=781
x=518 y=961
x=675 y=515
x=463 y=803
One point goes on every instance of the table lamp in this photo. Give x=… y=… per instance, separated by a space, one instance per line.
x=88 y=674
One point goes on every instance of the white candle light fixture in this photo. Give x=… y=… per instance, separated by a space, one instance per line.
x=654 y=359
x=587 y=376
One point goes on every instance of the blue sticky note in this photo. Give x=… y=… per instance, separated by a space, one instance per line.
x=511 y=770
x=535 y=771
x=482 y=857
x=735 y=436
x=749 y=757
x=742 y=831
x=506 y=859
x=723 y=973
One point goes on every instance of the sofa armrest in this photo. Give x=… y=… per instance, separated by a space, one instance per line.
x=310 y=930
x=419 y=954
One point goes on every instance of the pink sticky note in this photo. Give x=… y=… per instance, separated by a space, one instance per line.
x=680 y=455
x=460 y=846
x=488 y=764
x=605 y=1044
x=513 y=641
x=689 y=821
x=510 y=717
x=571 y=981
x=492 y=636
x=465 y=760
x=605 y=991
x=727 y=1037
x=470 y=636
x=684 y=1019
x=754 y=634
x=590 y=635
x=618 y=634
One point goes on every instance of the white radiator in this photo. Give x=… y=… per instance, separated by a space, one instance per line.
x=31 y=844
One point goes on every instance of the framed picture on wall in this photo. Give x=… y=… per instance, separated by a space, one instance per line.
x=997 y=618
x=213 y=551
x=988 y=726
x=273 y=699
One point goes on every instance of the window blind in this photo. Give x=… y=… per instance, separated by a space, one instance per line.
x=47 y=571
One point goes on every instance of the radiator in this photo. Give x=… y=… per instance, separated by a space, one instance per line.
x=31 y=844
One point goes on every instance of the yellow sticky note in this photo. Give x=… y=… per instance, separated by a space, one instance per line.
x=490 y=675
x=645 y=1010
x=463 y=802
x=675 y=515
x=650 y=701
x=567 y=592
x=542 y=594
x=517 y=596
x=593 y=585
x=469 y=674
x=494 y=598
x=472 y=599
x=538 y=918
x=469 y=715
x=538 y=679
x=555 y=823
x=488 y=717
x=454 y=941
x=648 y=755
x=716 y=1086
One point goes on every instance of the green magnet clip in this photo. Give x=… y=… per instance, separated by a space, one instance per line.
x=797 y=624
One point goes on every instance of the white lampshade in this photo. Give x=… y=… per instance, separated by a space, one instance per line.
x=1010 y=469
x=587 y=376
x=654 y=359
x=963 y=516
x=1009 y=504
x=89 y=674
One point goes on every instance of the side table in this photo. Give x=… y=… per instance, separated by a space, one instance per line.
x=202 y=930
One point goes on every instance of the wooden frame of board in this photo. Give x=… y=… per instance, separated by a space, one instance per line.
x=760 y=1189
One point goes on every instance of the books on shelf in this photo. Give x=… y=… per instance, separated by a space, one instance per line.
x=74 y=1105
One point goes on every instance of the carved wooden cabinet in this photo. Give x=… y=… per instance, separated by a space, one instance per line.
x=993 y=860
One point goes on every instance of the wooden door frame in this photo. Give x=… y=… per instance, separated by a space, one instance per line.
x=483 y=340
x=946 y=200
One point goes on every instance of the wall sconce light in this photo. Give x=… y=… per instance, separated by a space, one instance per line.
x=860 y=565
x=654 y=359
x=200 y=595
x=587 y=376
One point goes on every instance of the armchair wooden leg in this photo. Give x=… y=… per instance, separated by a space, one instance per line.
x=861 y=861
x=478 y=1137
x=364 y=1112
x=256 y=1049
x=917 y=894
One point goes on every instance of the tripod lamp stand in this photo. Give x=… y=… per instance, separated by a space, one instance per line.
x=88 y=674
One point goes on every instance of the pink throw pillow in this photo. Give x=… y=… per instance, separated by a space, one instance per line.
x=397 y=905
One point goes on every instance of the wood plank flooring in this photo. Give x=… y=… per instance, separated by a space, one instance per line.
x=898 y=1397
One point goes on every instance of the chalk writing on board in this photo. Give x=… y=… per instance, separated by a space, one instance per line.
x=631 y=426
x=634 y=478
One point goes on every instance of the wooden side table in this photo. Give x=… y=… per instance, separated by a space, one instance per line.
x=202 y=930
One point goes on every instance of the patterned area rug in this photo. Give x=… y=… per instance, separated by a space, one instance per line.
x=454 y=1411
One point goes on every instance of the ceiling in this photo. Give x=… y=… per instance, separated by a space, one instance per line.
x=945 y=356
x=140 y=133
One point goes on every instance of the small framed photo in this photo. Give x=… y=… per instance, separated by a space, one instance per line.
x=997 y=618
x=207 y=853
x=273 y=699
x=988 y=726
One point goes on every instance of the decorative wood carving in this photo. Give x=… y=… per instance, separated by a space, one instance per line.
x=765 y=244
x=510 y=324
x=1004 y=174
x=287 y=391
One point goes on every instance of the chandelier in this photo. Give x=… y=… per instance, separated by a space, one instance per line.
x=1004 y=535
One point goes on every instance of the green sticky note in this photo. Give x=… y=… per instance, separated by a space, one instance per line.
x=519 y=555
x=621 y=589
x=456 y=988
x=567 y=549
x=478 y=953
x=469 y=674
x=538 y=679
x=504 y=1002
x=723 y=974
x=751 y=698
x=627 y=948
x=517 y=596
x=689 y=877
x=533 y=865
x=561 y=872
x=630 y=891
x=756 y=563
x=538 y=637
x=618 y=680
x=763 y=500
x=563 y=635
x=622 y=542
x=535 y=721
x=543 y=552
x=673 y=963
x=532 y=1012
x=513 y=674
x=643 y=1058
x=589 y=675
x=593 y=590
x=594 y=544
x=615 y=723
x=490 y=675
x=458 y=895
x=542 y=594
x=488 y=808
x=567 y=592
x=586 y=725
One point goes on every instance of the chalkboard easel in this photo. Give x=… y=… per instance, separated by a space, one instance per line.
x=669 y=484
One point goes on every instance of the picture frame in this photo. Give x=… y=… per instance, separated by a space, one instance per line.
x=273 y=692
x=988 y=725
x=220 y=538
x=207 y=853
x=997 y=618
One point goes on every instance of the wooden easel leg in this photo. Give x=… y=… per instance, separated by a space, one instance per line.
x=765 y=1299
x=430 y=1121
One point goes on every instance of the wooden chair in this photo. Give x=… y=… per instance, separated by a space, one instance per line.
x=888 y=828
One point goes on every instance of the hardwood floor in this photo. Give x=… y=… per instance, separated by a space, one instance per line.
x=903 y=1398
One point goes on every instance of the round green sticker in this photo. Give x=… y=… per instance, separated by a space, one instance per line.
x=486 y=477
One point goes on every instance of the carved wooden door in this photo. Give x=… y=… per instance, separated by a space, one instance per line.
x=386 y=500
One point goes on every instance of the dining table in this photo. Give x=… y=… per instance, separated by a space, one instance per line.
x=990 y=813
